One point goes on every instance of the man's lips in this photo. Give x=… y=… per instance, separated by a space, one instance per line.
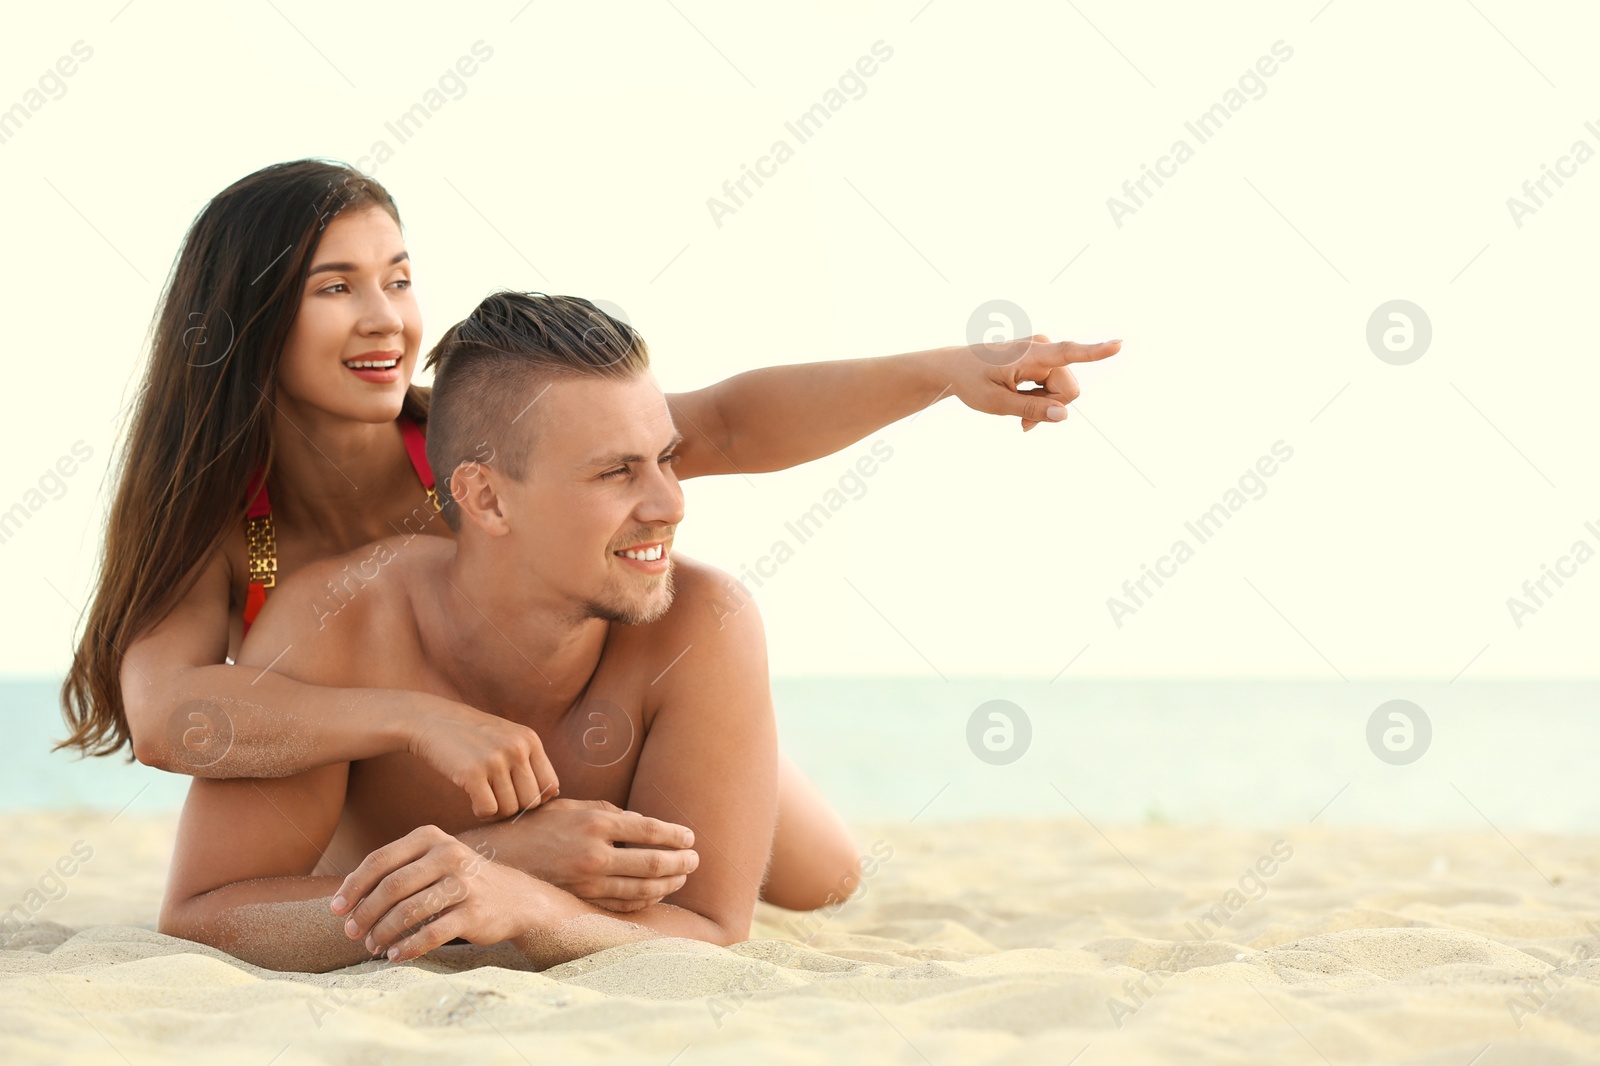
x=651 y=557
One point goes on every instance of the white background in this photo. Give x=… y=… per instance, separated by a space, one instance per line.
x=976 y=166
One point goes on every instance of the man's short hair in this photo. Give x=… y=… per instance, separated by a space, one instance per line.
x=491 y=367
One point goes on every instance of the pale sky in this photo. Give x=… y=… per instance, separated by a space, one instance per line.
x=976 y=162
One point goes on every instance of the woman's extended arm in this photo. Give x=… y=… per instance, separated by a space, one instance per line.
x=190 y=713
x=781 y=416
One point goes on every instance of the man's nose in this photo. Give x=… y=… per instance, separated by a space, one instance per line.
x=663 y=500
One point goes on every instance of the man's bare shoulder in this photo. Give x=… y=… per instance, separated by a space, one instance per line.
x=330 y=615
x=710 y=611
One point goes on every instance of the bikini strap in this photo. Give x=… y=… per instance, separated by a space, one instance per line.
x=258 y=505
x=417 y=449
x=261 y=542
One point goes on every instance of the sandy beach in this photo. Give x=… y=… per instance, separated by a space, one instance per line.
x=1001 y=941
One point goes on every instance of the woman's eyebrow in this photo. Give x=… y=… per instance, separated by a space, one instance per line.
x=351 y=267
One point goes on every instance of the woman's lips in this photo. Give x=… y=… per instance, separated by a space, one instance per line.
x=362 y=366
x=372 y=374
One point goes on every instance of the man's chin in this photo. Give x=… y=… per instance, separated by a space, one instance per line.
x=635 y=610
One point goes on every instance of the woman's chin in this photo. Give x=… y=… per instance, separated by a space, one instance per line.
x=365 y=402
x=372 y=404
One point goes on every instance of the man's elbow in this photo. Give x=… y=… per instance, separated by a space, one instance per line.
x=730 y=937
x=727 y=932
x=710 y=925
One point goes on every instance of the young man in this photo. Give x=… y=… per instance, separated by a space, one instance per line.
x=560 y=605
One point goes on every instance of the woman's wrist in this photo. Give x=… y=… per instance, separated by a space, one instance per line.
x=936 y=376
x=395 y=717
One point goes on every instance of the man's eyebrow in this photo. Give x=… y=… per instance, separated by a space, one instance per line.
x=618 y=458
x=350 y=268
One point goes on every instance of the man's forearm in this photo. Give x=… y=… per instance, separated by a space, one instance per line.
x=278 y=923
x=501 y=842
x=781 y=416
x=566 y=928
x=284 y=923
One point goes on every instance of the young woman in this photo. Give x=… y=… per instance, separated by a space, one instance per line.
x=276 y=425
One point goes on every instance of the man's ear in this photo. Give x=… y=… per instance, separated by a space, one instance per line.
x=475 y=488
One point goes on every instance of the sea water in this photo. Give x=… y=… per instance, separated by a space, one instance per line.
x=1502 y=754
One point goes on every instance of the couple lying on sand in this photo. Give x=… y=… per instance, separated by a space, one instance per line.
x=559 y=604
x=377 y=766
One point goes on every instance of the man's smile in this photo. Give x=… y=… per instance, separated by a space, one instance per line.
x=651 y=557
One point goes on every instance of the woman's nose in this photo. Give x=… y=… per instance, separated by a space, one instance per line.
x=379 y=316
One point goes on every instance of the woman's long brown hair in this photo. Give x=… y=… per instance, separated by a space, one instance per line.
x=202 y=424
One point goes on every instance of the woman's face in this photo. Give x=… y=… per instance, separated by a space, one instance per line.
x=355 y=338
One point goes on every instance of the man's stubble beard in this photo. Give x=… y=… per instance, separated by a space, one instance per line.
x=617 y=606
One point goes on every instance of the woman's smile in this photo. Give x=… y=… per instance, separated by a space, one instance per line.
x=380 y=367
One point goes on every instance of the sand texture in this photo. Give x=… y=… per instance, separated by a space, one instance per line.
x=976 y=942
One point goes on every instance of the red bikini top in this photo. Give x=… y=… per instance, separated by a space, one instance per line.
x=262 y=543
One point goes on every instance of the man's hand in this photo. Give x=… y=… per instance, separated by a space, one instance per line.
x=987 y=378
x=500 y=765
x=426 y=889
x=572 y=844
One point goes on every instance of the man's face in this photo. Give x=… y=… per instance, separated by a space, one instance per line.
x=600 y=483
